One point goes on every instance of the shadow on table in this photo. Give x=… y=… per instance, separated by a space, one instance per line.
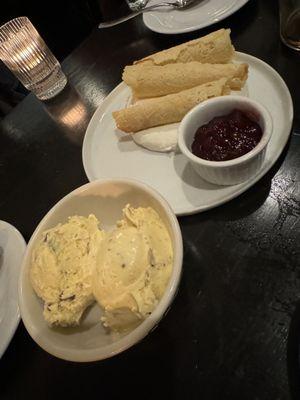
x=150 y=365
x=293 y=361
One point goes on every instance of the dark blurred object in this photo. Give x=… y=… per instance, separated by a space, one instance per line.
x=293 y=353
x=11 y=91
x=111 y=9
x=289 y=12
x=62 y=24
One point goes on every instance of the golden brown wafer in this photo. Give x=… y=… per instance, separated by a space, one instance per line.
x=153 y=81
x=215 y=48
x=167 y=109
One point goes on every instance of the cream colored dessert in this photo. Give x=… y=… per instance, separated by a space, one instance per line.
x=62 y=269
x=126 y=270
x=162 y=139
x=133 y=268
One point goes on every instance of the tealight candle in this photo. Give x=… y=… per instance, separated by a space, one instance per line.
x=26 y=54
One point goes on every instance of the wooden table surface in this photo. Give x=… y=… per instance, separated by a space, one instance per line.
x=232 y=332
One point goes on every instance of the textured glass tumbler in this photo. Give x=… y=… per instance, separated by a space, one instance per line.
x=25 y=53
x=290 y=23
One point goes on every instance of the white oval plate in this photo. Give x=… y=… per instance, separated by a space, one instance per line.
x=108 y=153
x=12 y=249
x=204 y=13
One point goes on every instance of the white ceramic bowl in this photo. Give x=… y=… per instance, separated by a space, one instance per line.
x=89 y=341
x=232 y=171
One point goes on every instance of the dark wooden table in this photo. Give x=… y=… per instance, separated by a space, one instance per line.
x=232 y=332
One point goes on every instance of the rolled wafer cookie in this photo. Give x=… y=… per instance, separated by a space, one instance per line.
x=167 y=109
x=152 y=81
x=215 y=48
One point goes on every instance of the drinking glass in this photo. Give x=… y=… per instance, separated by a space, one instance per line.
x=25 y=53
x=289 y=11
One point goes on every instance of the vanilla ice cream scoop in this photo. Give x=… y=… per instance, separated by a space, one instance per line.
x=62 y=268
x=133 y=267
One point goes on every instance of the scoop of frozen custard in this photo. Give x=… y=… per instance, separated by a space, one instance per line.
x=133 y=267
x=62 y=268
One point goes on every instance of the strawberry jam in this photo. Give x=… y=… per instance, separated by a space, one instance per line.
x=227 y=137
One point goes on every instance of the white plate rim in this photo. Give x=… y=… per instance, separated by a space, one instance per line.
x=196 y=27
x=5 y=341
x=197 y=209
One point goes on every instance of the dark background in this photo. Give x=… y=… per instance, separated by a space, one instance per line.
x=62 y=24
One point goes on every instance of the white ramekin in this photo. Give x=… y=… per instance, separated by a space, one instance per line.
x=229 y=172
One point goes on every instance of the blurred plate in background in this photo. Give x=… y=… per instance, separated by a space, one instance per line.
x=204 y=13
x=12 y=249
